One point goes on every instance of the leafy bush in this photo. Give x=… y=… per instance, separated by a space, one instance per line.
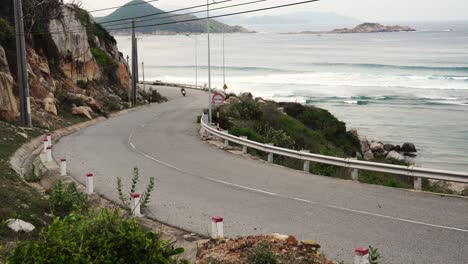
x=249 y=133
x=111 y=106
x=64 y=200
x=106 y=62
x=103 y=237
x=125 y=198
x=34 y=175
x=262 y=254
x=246 y=109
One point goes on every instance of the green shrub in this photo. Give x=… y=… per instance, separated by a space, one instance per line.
x=34 y=175
x=249 y=133
x=374 y=255
x=111 y=106
x=246 y=109
x=262 y=254
x=106 y=62
x=64 y=200
x=103 y=237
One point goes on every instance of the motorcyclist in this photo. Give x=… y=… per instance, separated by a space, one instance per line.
x=182 y=91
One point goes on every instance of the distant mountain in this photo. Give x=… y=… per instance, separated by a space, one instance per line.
x=130 y=10
x=299 y=21
x=373 y=28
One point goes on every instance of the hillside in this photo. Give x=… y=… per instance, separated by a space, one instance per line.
x=130 y=10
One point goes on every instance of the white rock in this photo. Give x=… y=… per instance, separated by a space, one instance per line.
x=22 y=134
x=49 y=105
x=20 y=225
x=395 y=155
x=376 y=147
x=280 y=236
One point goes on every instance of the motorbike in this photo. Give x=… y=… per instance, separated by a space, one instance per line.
x=183 y=92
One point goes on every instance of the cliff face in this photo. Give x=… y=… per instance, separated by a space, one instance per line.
x=72 y=62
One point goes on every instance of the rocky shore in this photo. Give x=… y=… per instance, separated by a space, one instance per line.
x=373 y=149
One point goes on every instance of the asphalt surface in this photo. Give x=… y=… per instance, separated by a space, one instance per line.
x=196 y=181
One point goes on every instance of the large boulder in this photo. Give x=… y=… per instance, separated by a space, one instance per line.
x=395 y=156
x=18 y=225
x=377 y=147
x=82 y=110
x=364 y=144
x=389 y=147
x=408 y=147
x=49 y=105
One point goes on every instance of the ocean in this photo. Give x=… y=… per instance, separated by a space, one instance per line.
x=392 y=87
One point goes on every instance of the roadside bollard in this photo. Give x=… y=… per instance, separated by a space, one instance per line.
x=90 y=183
x=49 y=139
x=49 y=154
x=63 y=167
x=244 y=148
x=355 y=173
x=217 y=229
x=136 y=205
x=46 y=144
x=361 y=255
x=270 y=155
x=417 y=183
x=306 y=162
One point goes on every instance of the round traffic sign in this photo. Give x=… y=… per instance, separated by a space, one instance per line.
x=218 y=99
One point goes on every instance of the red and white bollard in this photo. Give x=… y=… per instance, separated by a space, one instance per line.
x=218 y=119
x=217 y=229
x=49 y=139
x=49 y=154
x=90 y=183
x=136 y=205
x=361 y=255
x=46 y=144
x=63 y=167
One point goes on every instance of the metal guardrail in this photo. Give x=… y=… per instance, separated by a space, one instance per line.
x=411 y=171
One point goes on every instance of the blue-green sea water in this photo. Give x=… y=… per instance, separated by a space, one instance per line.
x=392 y=87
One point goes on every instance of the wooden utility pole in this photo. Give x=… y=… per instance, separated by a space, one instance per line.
x=22 y=74
x=130 y=85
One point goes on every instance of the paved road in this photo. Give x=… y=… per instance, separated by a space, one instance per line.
x=196 y=181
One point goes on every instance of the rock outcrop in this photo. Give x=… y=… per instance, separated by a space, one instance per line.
x=373 y=28
x=64 y=62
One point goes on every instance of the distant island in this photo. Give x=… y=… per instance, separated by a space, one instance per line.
x=364 y=28
x=164 y=23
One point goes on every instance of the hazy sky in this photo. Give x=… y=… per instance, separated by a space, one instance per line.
x=365 y=10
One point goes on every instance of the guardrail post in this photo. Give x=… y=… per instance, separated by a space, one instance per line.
x=270 y=155
x=355 y=173
x=417 y=183
x=244 y=148
x=226 y=142
x=306 y=162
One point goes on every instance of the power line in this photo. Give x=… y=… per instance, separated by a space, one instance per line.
x=131 y=18
x=211 y=17
x=123 y=6
x=191 y=13
x=225 y=15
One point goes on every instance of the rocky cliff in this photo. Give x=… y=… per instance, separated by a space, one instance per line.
x=73 y=63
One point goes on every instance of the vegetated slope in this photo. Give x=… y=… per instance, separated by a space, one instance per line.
x=138 y=8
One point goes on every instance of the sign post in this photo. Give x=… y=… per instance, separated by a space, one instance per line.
x=218 y=100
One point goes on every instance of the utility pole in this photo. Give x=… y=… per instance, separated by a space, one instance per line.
x=143 y=69
x=209 y=59
x=130 y=85
x=134 y=65
x=22 y=74
x=224 y=62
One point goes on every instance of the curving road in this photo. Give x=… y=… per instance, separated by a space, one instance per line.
x=196 y=181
